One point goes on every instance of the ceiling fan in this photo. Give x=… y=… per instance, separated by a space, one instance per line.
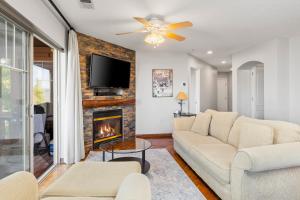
x=158 y=30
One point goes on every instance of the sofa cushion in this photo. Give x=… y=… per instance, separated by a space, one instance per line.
x=216 y=159
x=284 y=130
x=221 y=124
x=201 y=123
x=183 y=123
x=92 y=179
x=287 y=136
x=189 y=138
x=253 y=134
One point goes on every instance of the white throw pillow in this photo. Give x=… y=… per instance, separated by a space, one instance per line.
x=221 y=124
x=183 y=123
x=201 y=123
x=253 y=134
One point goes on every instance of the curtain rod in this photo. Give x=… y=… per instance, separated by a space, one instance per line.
x=61 y=15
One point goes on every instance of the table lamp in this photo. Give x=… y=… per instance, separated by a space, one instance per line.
x=181 y=96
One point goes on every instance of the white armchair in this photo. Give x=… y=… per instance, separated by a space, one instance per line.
x=19 y=186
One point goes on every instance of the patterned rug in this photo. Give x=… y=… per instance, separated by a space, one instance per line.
x=168 y=181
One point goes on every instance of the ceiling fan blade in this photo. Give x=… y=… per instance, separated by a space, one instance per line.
x=137 y=31
x=179 y=25
x=124 y=33
x=175 y=36
x=142 y=20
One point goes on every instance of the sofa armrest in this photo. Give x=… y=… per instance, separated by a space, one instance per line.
x=183 y=123
x=19 y=186
x=134 y=187
x=269 y=157
x=262 y=172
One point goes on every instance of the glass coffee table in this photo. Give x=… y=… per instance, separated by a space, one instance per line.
x=128 y=146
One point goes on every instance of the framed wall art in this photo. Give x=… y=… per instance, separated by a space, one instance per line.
x=162 y=82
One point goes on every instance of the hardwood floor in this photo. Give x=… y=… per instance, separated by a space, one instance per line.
x=157 y=142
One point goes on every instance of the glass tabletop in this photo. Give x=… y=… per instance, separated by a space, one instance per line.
x=125 y=145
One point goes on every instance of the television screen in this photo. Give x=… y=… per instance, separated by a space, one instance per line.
x=108 y=72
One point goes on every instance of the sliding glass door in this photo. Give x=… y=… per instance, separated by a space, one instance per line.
x=43 y=101
x=14 y=99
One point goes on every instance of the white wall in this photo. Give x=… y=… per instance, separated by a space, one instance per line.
x=40 y=15
x=268 y=54
x=208 y=83
x=294 y=77
x=229 y=91
x=154 y=115
x=244 y=91
x=281 y=76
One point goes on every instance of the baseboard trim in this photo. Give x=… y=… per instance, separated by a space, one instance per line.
x=155 y=136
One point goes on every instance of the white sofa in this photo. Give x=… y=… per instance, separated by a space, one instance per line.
x=211 y=144
x=83 y=181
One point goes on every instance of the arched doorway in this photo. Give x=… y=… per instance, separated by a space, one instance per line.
x=250 y=89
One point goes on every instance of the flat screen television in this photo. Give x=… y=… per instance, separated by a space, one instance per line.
x=106 y=72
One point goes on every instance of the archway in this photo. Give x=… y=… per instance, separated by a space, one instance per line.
x=250 y=89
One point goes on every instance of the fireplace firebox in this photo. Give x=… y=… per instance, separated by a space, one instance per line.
x=107 y=125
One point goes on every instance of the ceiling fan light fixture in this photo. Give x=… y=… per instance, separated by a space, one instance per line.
x=154 y=39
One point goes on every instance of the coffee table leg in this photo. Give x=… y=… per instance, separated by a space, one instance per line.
x=112 y=154
x=143 y=161
x=103 y=156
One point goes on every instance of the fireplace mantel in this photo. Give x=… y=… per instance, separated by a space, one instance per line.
x=92 y=103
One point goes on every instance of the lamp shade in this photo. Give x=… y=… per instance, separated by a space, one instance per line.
x=182 y=96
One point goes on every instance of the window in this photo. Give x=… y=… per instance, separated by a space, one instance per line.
x=14 y=149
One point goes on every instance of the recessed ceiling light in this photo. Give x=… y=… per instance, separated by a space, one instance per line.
x=224 y=62
x=209 y=52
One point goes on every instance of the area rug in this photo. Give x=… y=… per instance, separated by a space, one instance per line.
x=168 y=181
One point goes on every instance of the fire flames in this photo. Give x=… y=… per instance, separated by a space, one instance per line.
x=106 y=130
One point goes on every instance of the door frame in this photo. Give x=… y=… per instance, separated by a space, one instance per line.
x=55 y=107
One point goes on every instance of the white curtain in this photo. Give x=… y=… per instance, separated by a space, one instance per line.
x=73 y=138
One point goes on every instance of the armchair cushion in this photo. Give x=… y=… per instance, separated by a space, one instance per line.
x=255 y=135
x=201 y=123
x=92 y=179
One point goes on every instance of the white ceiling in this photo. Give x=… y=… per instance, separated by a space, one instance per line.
x=224 y=26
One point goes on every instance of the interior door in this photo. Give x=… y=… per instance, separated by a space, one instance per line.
x=222 y=94
x=194 y=91
x=258 y=93
x=14 y=99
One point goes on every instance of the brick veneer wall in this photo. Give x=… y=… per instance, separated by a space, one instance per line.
x=88 y=45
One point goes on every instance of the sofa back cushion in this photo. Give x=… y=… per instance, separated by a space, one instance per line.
x=287 y=136
x=201 y=123
x=221 y=124
x=254 y=134
x=283 y=131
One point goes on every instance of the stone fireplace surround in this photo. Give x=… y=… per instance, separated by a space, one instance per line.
x=91 y=103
